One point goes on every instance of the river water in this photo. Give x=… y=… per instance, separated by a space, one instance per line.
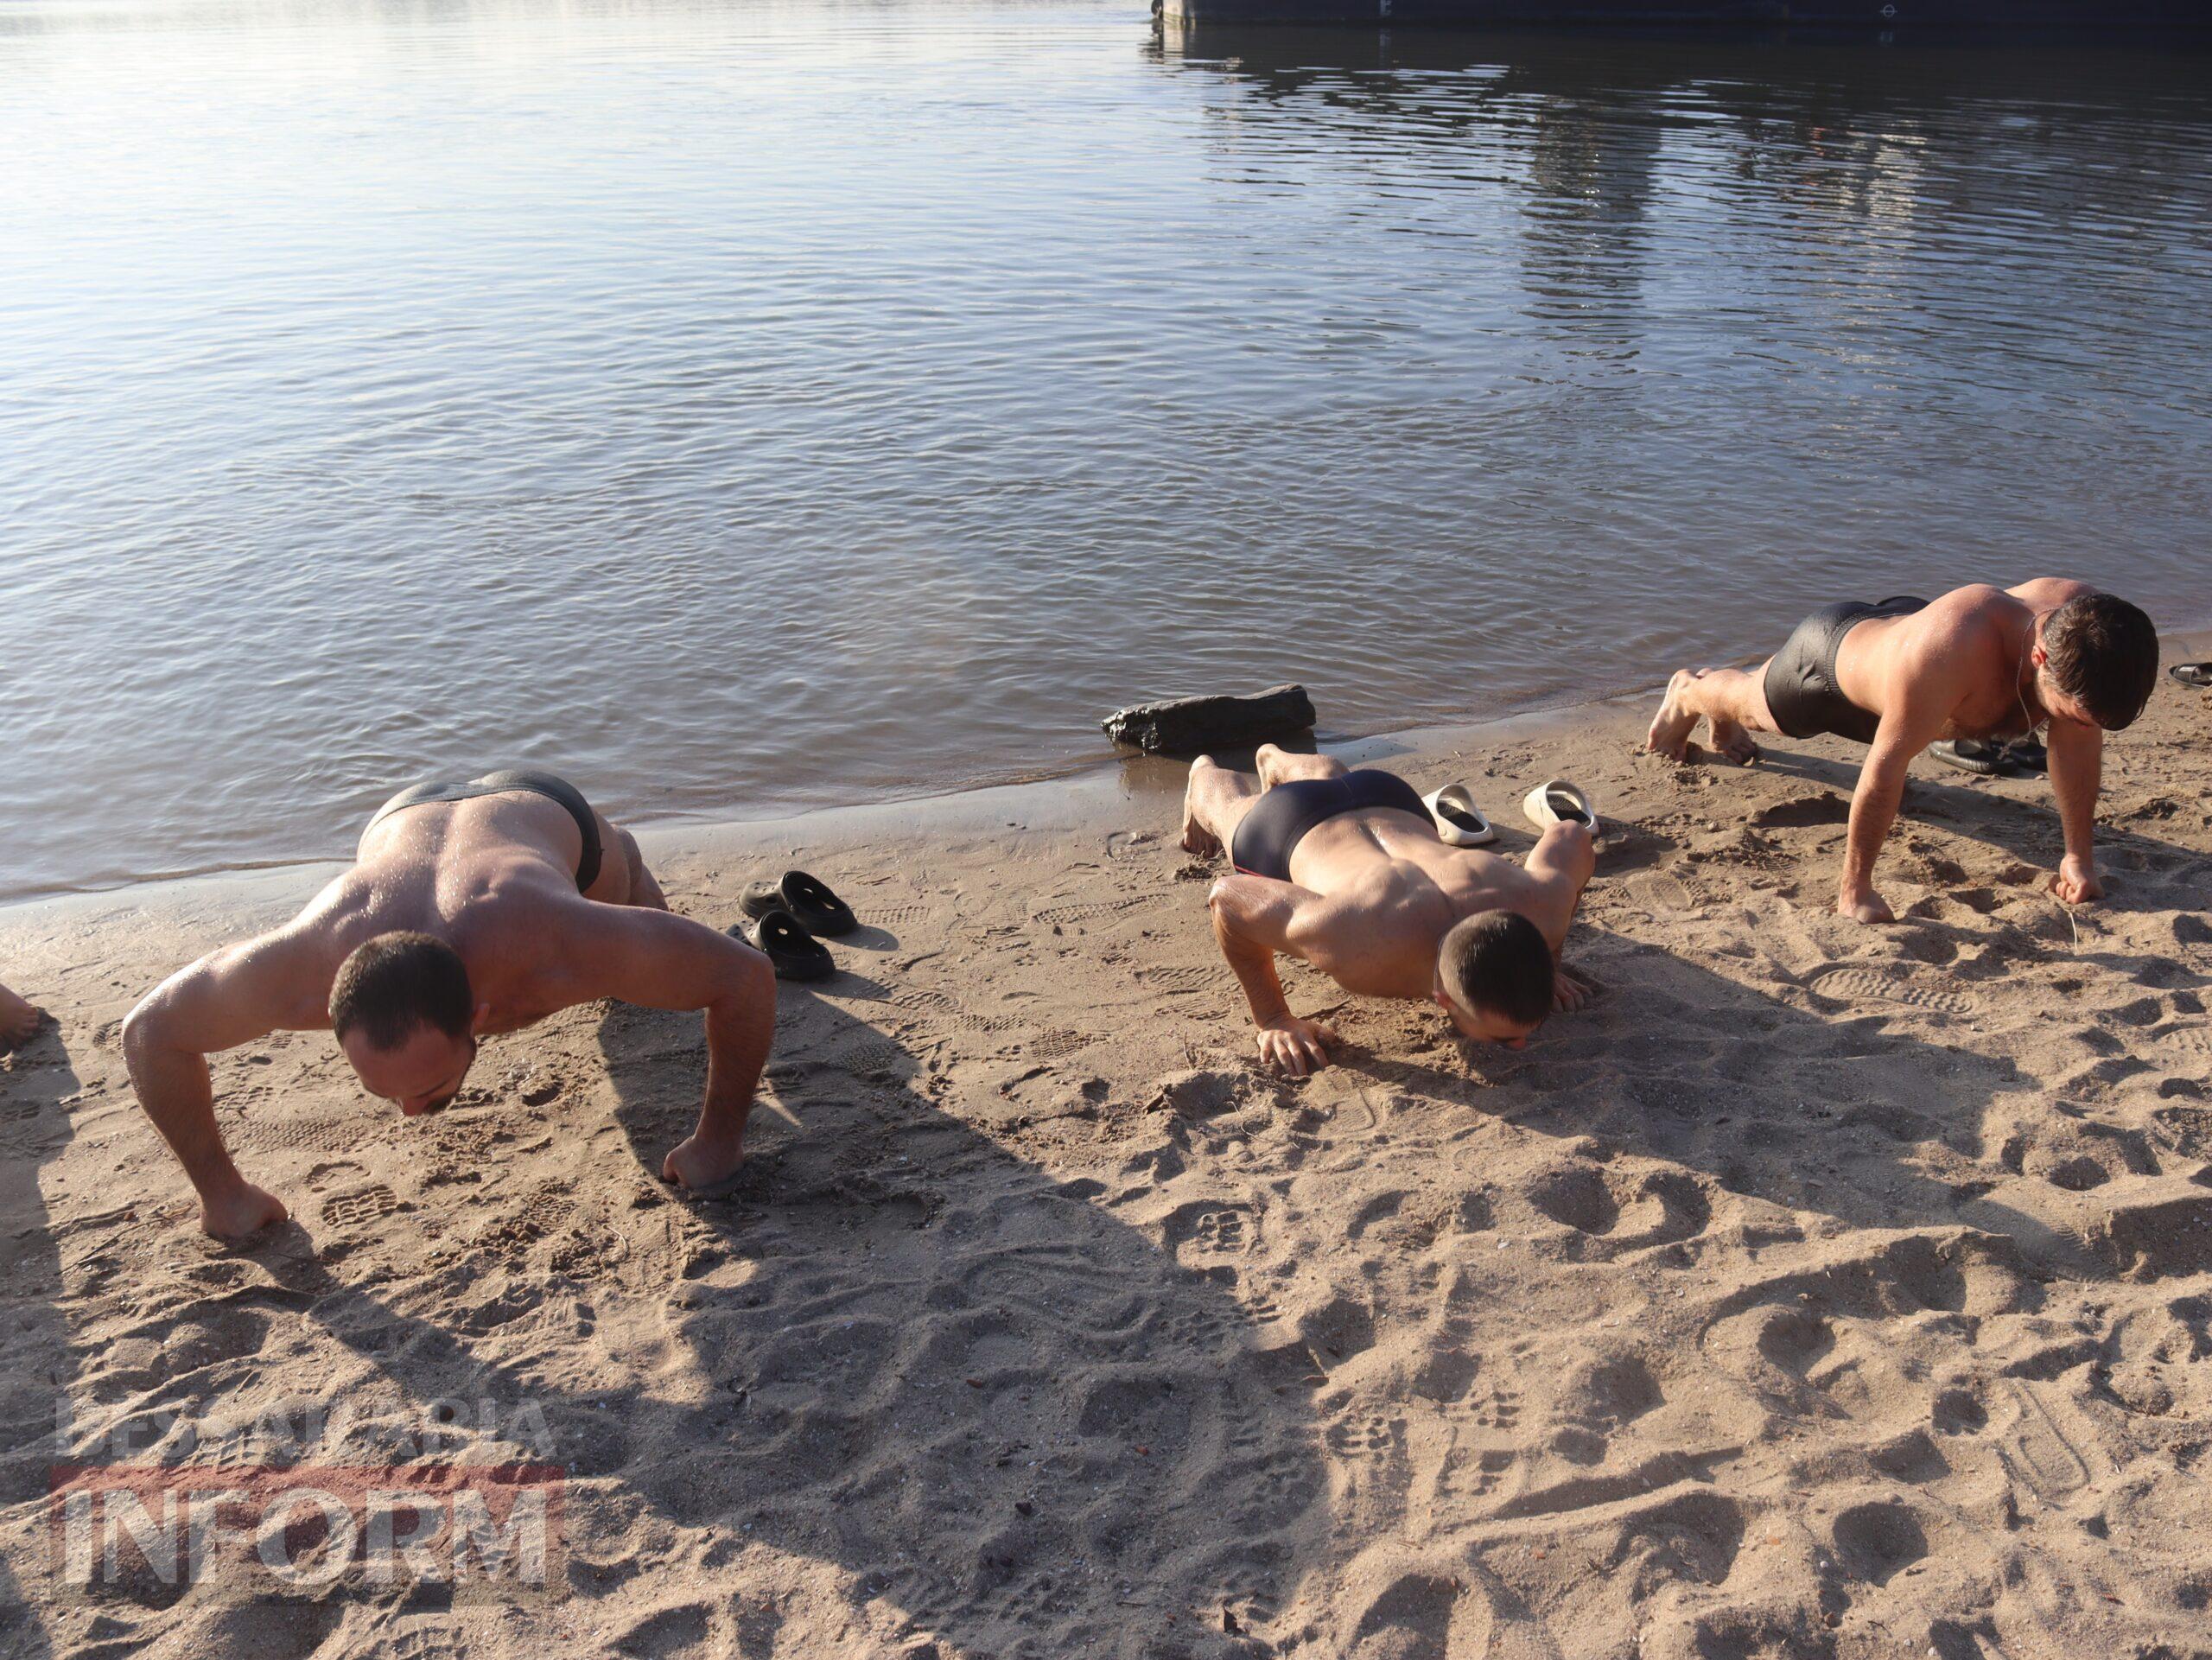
x=740 y=407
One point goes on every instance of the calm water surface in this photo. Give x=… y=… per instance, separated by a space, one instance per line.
x=742 y=406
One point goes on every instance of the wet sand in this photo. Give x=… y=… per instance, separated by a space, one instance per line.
x=1820 y=1291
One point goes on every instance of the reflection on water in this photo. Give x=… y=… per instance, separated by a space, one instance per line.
x=741 y=406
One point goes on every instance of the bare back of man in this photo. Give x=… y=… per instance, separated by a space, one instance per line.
x=1370 y=894
x=1979 y=662
x=527 y=910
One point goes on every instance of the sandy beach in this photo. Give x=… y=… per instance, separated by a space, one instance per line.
x=1821 y=1291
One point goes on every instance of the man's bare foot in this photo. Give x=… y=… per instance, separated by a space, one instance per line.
x=1672 y=726
x=1196 y=838
x=703 y=1166
x=1732 y=741
x=236 y=1215
x=19 y=1020
x=1870 y=907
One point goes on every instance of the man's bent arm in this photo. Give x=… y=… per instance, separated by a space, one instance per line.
x=660 y=960
x=227 y=998
x=1873 y=809
x=1251 y=921
x=2076 y=771
x=1922 y=690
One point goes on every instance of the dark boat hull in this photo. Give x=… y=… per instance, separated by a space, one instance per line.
x=1987 y=16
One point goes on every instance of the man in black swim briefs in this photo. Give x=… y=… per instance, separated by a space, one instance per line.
x=1346 y=870
x=1980 y=662
x=470 y=909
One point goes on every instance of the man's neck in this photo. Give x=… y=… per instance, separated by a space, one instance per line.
x=2023 y=672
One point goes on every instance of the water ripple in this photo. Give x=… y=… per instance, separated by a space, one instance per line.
x=742 y=406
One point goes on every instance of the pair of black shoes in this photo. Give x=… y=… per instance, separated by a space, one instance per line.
x=786 y=915
x=2021 y=758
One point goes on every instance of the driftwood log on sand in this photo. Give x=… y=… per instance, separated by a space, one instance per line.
x=1184 y=726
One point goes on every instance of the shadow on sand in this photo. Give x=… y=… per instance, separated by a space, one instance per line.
x=37 y=1084
x=1013 y=1424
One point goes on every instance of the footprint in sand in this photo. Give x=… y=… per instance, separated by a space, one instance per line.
x=1847 y=984
x=1659 y=891
x=1473 y=1474
x=544 y=1213
x=1367 y=1437
x=1498 y=1410
x=2189 y=1039
x=935 y=1005
x=1181 y=980
x=364 y=1206
x=1057 y=916
x=305 y=1134
x=1056 y=1043
x=871 y=1053
x=1209 y=1228
x=1122 y=844
x=588 y=1255
x=1221 y=1231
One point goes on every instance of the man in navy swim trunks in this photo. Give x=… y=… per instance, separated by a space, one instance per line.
x=1346 y=870
x=471 y=909
x=1980 y=663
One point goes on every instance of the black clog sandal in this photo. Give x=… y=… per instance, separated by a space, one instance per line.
x=2192 y=674
x=806 y=899
x=794 y=953
x=1969 y=755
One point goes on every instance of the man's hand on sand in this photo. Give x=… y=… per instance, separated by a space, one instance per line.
x=2076 y=883
x=1568 y=992
x=247 y=1211
x=701 y=1165
x=1293 y=1046
x=1869 y=906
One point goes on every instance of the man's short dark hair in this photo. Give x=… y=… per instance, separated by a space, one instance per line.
x=1497 y=962
x=397 y=982
x=2102 y=653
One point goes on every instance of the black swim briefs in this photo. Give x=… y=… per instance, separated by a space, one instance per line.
x=1280 y=817
x=508 y=783
x=1802 y=690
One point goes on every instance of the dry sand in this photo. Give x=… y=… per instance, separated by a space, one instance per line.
x=1821 y=1291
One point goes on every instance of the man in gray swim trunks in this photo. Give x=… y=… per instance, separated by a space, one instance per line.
x=471 y=909
x=1980 y=662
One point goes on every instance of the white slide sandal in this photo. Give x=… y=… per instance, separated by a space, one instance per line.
x=1459 y=821
x=1559 y=802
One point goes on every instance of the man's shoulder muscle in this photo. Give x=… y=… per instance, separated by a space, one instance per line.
x=1958 y=644
x=2048 y=593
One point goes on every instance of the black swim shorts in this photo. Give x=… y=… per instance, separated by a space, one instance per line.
x=1802 y=690
x=507 y=783
x=1280 y=817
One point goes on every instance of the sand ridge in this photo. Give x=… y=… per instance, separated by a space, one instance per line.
x=1820 y=1291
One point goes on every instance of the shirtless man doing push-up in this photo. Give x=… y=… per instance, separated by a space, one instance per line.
x=1346 y=871
x=1980 y=662
x=471 y=909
